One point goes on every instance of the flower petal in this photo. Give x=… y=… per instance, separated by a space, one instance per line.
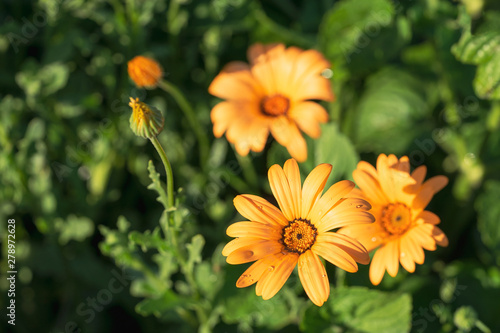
x=377 y=267
x=253 y=229
x=370 y=187
x=258 y=209
x=313 y=277
x=331 y=197
x=405 y=254
x=332 y=220
x=278 y=276
x=238 y=243
x=235 y=81
x=292 y=173
x=254 y=252
x=369 y=235
x=306 y=81
x=308 y=115
x=391 y=254
x=313 y=186
x=256 y=270
x=281 y=191
x=427 y=191
x=426 y=216
x=422 y=234
x=439 y=237
x=350 y=245
x=335 y=255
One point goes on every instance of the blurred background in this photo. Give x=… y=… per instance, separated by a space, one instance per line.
x=418 y=78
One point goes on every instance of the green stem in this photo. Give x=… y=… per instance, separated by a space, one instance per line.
x=191 y=117
x=340 y=280
x=171 y=232
x=248 y=170
x=168 y=171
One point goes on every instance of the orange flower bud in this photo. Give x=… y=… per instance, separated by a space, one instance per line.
x=144 y=71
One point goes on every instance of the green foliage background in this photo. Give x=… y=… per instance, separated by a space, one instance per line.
x=418 y=78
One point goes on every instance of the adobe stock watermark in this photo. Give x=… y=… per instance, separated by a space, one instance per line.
x=425 y=315
x=427 y=146
x=88 y=309
x=31 y=26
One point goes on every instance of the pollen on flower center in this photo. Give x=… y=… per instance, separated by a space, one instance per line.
x=275 y=105
x=396 y=218
x=299 y=235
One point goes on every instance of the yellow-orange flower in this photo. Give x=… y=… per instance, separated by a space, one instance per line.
x=402 y=227
x=272 y=94
x=144 y=71
x=297 y=232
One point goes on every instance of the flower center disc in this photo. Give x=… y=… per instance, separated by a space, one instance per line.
x=396 y=218
x=275 y=105
x=299 y=235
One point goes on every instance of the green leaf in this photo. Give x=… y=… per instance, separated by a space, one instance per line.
x=365 y=310
x=349 y=24
x=389 y=112
x=476 y=49
x=74 y=228
x=148 y=239
x=465 y=318
x=487 y=80
x=488 y=212
x=208 y=281
x=157 y=185
x=158 y=306
x=335 y=148
x=247 y=309
x=194 y=250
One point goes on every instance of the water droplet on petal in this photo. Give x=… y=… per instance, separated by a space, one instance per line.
x=374 y=239
x=271 y=268
x=251 y=280
x=402 y=254
x=324 y=275
x=359 y=206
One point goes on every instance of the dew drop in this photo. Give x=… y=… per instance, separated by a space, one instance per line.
x=251 y=280
x=324 y=275
x=402 y=254
x=374 y=239
x=271 y=268
x=359 y=206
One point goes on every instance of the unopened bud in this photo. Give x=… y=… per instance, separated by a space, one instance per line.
x=144 y=71
x=146 y=121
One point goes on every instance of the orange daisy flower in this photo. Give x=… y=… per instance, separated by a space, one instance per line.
x=297 y=232
x=402 y=227
x=271 y=94
x=144 y=71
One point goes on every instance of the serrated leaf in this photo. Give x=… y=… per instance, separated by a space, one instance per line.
x=366 y=310
x=335 y=148
x=194 y=251
x=74 y=228
x=488 y=212
x=157 y=306
x=208 y=282
x=487 y=80
x=476 y=49
x=156 y=185
x=148 y=239
x=348 y=21
x=244 y=307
